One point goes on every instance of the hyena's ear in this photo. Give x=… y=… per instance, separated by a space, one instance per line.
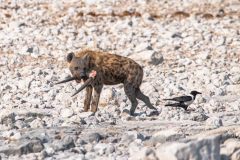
x=70 y=56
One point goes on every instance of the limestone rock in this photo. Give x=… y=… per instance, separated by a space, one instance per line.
x=149 y=56
x=202 y=148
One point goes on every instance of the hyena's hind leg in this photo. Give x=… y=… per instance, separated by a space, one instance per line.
x=88 y=97
x=131 y=94
x=144 y=98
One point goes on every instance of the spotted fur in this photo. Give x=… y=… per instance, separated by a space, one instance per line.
x=111 y=69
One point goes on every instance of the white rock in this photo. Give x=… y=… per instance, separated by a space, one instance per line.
x=101 y=148
x=184 y=61
x=142 y=153
x=236 y=155
x=149 y=56
x=199 y=117
x=202 y=148
x=90 y=155
x=134 y=151
x=107 y=95
x=233 y=88
x=131 y=136
x=66 y=112
x=36 y=123
x=166 y=136
x=215 y=122
x=17 y=136
x=85 y=114
x=141 y=47
x=50 y=150
x=147 y=88
x=230 y=146
x=91 y=2
x=8 y=134
x=203 y=56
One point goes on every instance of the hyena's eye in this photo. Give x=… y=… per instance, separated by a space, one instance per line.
x=76 y=68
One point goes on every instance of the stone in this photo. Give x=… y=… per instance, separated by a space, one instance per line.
x=149 y=56
x=110 y=149
x=22 y=147
x=148 y=88
x=199 y=117
x=230 y=146
x=201 y=148
x=233 y=88
x=236 y=155
x=9 y=119
x=94 y=137
x=142 y=47
x=65 y=143
x=16 y=136
x=8 y=134
x=153 y=112
x=100 y=148
x=215 y=122
x=21 y=124
x=33 y=51
x=131 y=136
x=92 y=121
x=134 y=148
x=142 y=153
x=90 y=2
x=107 y=95
x=165 y=136
x=66 y=112
x=90 y=155
x=85 y=114
x=185 y=61
x=194 y=49
x=48 y=149
x=36 y=123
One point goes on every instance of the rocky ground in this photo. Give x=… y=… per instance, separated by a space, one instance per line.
x=182 y=45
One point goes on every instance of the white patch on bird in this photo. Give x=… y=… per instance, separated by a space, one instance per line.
x=189 y=102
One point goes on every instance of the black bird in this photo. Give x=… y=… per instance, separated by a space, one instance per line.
x=183 y=101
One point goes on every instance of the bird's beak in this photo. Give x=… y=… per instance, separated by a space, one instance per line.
x=86 y=83
x=199 y=93
x=67 y=80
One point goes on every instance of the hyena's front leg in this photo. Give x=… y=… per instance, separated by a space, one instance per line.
x=96 y=96
x=88 y=98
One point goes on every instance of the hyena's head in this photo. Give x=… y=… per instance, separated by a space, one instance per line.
x=79 y=66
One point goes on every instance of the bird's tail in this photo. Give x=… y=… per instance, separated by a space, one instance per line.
x=177 y=105
x=173 y=104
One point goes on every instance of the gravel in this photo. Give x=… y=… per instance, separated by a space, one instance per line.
x=184 y=46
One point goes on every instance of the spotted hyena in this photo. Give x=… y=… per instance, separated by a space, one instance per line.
x=97 y=68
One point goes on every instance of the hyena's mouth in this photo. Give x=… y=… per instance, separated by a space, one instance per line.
x=87 y=81
x=92 y=75
x=85 y=84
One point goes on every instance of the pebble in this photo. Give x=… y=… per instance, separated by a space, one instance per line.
x=95 y=137
x=149 y=56
x=178 y=53
x=215 y=122
x=66 y=112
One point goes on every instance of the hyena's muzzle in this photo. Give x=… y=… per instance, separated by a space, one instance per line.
x=83 y=76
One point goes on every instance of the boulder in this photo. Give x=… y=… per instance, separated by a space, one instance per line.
x=201 y=148
x=149 y=56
